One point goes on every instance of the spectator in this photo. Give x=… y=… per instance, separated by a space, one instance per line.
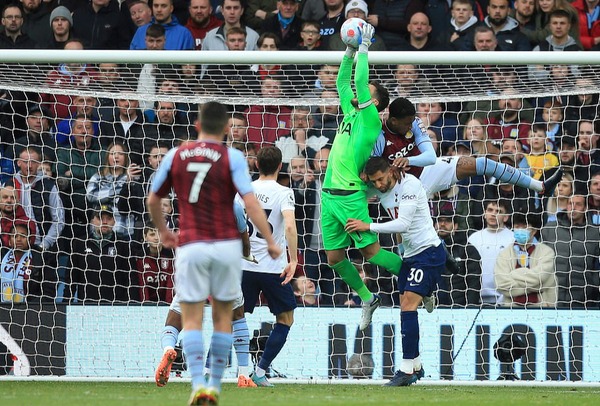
x=391 y=20
x=524 y=272
x=514 y=147
x=306 y=291
x=36 y=16
x=126 y=128
x=355 y=9
x=506 y=28
x=567 y=152
x=267 y=123
x=201 y=21
x=78 y=76
x=489 y=242
x=524 y=12
x=285 y=24
x=539 y=158
x=434 y=116
x=24 y=278
x=587 y=160
x=542 y=19
x=328 y=116
x=325 y=80
x=407 y=81
x=61 y=24
x=484 y=39
x=576 y=243
x=76 y=166
x=594 y=198
x=11 y=211
x=36 y=134
x=464 y=23
x=177 y=36
x=100 y=269
x=589 y=22
x=559 y=201
x=99 y=25
x=238 y=129
x=39 y=197
x=154 y=266
x=230 y=80
x=418 y=35
x=12 y=37
x=475 y=133
x=558 y=40
x=168 y=127
x=104 y=187
x=257 y=11
x=508 y=121
x=268 y=42
x=583 y=105
x=216 y=39
x=85 y=105
x=332 y=21
x=310 y=37
x=462 y=289
x=147 y=79
x=553 y=117
x=140 y=12
x=302 y=139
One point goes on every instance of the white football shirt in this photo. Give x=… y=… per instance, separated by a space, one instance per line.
x=408 y=205
x=274 y=199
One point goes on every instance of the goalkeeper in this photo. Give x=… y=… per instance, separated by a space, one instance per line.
x=344 y=192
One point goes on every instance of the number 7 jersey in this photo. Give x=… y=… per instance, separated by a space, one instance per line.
x=205 y=177
x=274 y=199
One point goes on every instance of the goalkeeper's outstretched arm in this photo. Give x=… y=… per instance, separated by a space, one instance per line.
x=361 y=76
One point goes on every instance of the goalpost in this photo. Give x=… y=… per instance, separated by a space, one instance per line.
x=62 y=335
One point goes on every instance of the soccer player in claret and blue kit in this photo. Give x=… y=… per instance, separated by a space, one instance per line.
x=206 y=175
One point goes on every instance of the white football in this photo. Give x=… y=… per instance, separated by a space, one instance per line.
x=351 y=32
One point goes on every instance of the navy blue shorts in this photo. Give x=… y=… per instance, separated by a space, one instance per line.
x=422 y=273
x=279 y=298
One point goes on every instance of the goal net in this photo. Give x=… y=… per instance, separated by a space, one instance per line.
x=86 y=286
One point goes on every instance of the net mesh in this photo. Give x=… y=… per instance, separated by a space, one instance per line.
x=152 y=107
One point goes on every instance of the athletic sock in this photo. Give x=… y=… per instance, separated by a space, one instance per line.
x=350 y=275
x=220 y=346
x=274 y=345
x=241 y=343
x=409 y=327
x=168 y=338
x=193 y=347
x=417 y=365
x=506 y=173
x=387 y=260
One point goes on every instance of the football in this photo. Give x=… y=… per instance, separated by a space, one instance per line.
x=351 y=33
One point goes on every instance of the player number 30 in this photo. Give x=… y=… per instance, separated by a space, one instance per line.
x=416 y=275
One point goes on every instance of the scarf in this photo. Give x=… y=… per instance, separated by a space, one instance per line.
x=14 y=277
x=284 y=21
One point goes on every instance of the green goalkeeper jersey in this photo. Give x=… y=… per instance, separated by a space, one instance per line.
x=356 y=135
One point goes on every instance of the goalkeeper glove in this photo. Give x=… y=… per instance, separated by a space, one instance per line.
x=368 y=32
x=350 y=52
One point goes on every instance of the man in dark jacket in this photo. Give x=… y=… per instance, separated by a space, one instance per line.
x=99 y=25
x=508 y=33
x=36 y=20
x=13 y=37
x=285 y=24
x=576 y=242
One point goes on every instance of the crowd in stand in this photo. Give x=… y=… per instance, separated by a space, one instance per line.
x=75 y=169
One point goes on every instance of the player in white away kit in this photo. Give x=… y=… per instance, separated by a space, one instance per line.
x=272 y=276
x=406 y=202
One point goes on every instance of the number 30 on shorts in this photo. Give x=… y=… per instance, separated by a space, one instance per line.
x=415 y=275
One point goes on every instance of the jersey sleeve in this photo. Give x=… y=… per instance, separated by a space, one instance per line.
x=240 y=216
x=239 y=171
x=342 y=83
x=288 y=202
x=423 y=142
x=379 y=145
x=407 y=206
x=361 y=80
x=161 y=184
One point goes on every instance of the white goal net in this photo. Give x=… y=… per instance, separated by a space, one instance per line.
x=85 y=293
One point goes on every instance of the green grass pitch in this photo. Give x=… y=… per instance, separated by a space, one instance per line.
x=46 y=393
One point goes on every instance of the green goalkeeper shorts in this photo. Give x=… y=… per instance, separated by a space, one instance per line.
x=335 y=211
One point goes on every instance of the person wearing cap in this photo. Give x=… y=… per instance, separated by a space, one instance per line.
x=61 y=24
x=285 y=24
x=13 y=37
x=101 y=270
x=460 y=289
x=98 y=23
x=355 y=9
x=37 y=132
